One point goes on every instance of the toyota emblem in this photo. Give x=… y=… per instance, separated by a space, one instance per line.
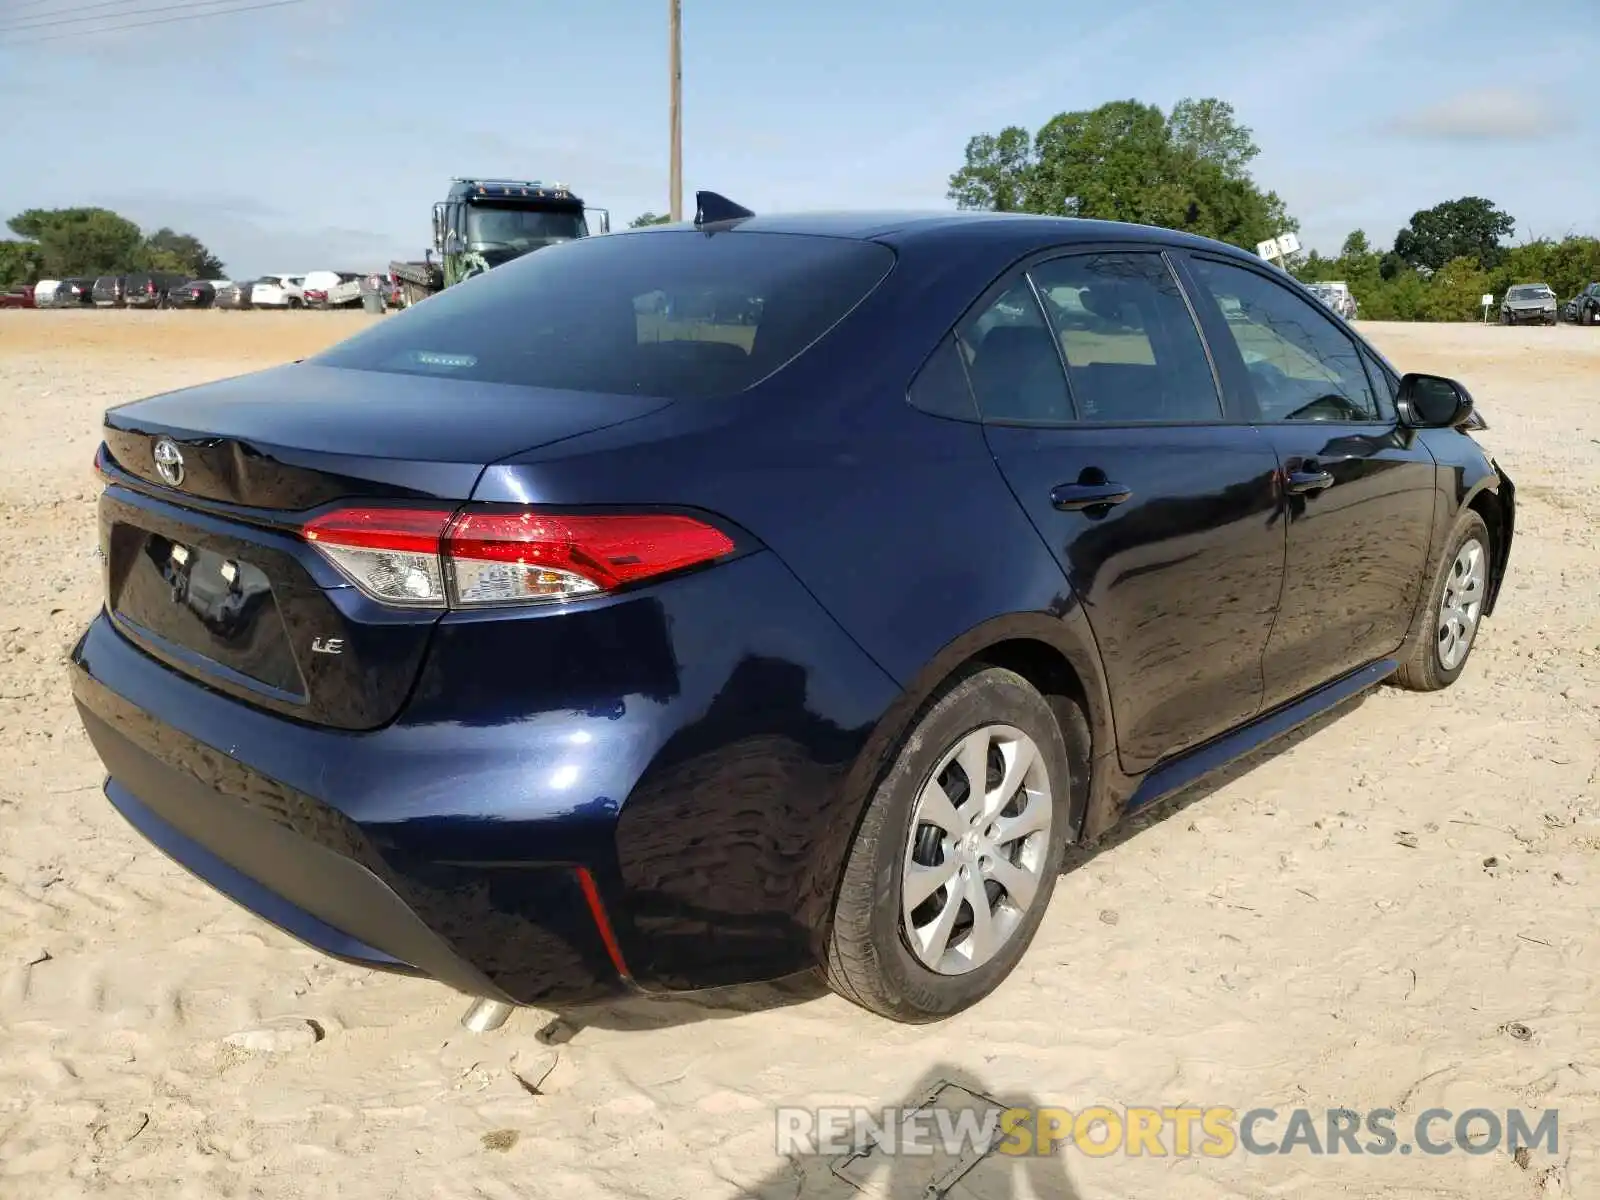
x=169 y=462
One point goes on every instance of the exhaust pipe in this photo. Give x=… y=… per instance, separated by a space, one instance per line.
x=485 y=1016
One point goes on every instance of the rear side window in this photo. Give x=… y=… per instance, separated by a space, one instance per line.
x=1012 y=362
x=1130 y=343
x=941 y=388
x=679 y=315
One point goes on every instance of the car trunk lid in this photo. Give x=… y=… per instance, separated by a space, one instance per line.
x=206 y=568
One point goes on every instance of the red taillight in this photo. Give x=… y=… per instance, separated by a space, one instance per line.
x=436 y=558
x=391 y=554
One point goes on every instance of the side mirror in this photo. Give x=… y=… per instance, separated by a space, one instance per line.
x=1432 y=402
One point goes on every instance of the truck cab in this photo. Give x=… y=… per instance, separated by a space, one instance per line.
x=487 y=222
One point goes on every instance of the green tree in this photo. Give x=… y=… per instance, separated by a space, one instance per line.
x=1574 y=263
x=166 y=250
x=80 y=241
x=1114 y=163
x=19 y=263
x=1355 y=245
x=1208 y=131
x=67 y=242
x=1455 y=291
x=1470 y=227
x=1129 y=161
x=648 y=218
x=998 y=171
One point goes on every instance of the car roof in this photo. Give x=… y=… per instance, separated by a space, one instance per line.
x=1020 y=232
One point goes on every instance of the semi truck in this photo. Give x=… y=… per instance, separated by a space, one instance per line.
x=484 y=223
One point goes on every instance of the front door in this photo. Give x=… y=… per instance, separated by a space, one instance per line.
x=1358 y=488
x=1160 y=511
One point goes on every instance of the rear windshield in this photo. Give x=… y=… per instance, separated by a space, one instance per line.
x=675 y=314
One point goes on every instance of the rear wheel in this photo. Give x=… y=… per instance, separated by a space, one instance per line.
x=957 y=855
x=1449 y=624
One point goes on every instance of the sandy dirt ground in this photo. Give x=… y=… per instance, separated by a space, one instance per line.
x=1397 y=909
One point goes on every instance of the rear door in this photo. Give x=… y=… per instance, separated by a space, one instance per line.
x=1103 y=412
x=1359 y=489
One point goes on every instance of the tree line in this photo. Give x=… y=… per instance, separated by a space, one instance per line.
x=1189 y=169
x=67 y=243
x=1447 y=259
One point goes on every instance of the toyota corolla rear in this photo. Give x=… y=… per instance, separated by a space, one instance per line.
x=374 y=666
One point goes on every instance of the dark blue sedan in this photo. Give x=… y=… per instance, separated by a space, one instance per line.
x=712 y=602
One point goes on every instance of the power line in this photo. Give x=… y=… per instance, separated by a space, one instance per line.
x=138 y=12
x=56 y=37
x=16 y=8
x=61 y=12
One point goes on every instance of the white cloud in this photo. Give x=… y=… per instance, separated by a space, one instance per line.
x=1481 y=115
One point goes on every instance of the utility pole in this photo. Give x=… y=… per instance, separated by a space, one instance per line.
x=675 y=23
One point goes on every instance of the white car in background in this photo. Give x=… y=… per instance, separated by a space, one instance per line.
x=331 y=289
x=1335 y=293
x=278 y=291
x=44 y=293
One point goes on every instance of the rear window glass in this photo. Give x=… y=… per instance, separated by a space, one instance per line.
x=674 y=314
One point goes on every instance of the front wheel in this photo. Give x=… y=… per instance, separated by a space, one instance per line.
x=1449 y=624
x=957 y=855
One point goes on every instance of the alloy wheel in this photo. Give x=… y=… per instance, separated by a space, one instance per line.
x=976 y=854
x=1461 y=605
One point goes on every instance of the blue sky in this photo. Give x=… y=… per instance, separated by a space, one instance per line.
x=319 y=134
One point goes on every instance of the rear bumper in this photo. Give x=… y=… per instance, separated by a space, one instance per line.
x=648 y=793
x=305 y=867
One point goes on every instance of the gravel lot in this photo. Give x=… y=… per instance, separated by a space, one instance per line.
x=1396 y=909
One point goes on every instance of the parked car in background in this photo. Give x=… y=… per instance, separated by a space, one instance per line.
x=196 y=293
x=153 y=289
x=278 y=291
x=232 y=294
x=1336 y=295
x=44 y=293
x=75 y=293
x=584 y=652
x=1584 y=308
x=332 y=289
x=1529 y=304
x=20 y=296
x=111 y=291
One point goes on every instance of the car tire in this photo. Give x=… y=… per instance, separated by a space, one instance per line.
x=870 y=957
x=1438 y=656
